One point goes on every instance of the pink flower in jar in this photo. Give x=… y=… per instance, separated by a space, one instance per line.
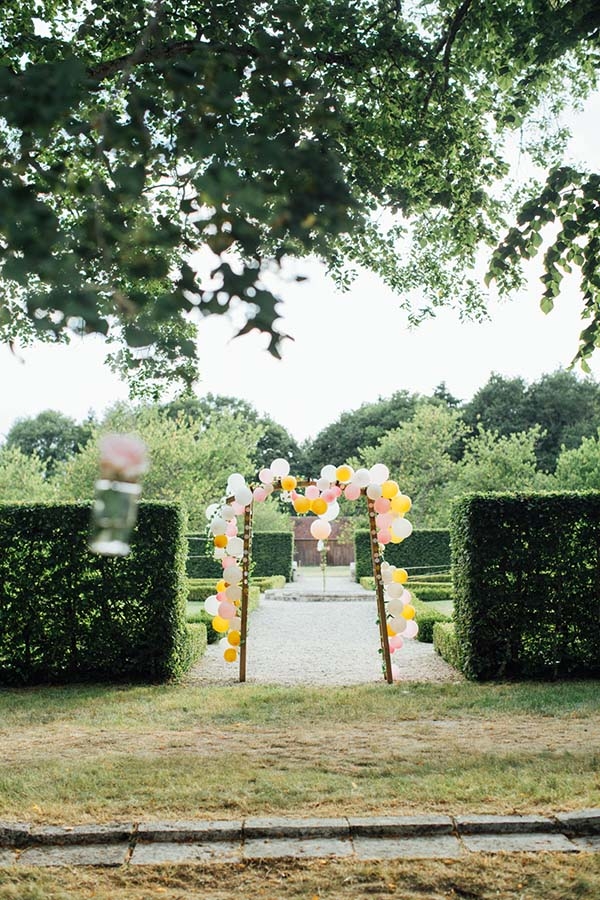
x=123 y=457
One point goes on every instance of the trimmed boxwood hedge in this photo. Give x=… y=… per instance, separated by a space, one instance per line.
x=424 y=549
x=69 y=615
x=431 y=591
x=445 y=642
x=272 y=554
x=527 y=584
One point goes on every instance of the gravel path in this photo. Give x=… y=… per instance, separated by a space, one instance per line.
x=329 y=642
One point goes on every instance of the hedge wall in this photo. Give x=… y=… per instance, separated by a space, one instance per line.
x=69 y=615
x=527 y=584
x=423 y=549
x=272 y=554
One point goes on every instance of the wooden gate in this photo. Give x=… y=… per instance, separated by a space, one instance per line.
x=340 y=550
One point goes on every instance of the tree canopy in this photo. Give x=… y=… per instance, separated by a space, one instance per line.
x=158 y=158
x=51 y=436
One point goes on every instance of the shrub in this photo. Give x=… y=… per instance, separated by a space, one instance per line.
x=69 y=615
x=272 y=554
x=428 y=592
x=422 y=550
x=440 y=578
x=426 y=617
x=268 y=583
x=445 y=642
x=526 y=585
x=195 y=645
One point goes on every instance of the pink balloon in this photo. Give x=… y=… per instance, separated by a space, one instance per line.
x=227 y=610
x=329 y=495
x=395 y=672
x=383 y=537
x=237 y=508
x=231 y=529
x=294 y=495
x=259 y=494
x=266 y=476
x=412 y=629
x=382 y=505
x=312 y=492
x=337 y=490
x=222 y=597
x=228 y=561
x=352 y=492
x=383 y=521
x=396 y=642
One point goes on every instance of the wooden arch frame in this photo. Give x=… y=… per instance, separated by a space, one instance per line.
x=376 y=558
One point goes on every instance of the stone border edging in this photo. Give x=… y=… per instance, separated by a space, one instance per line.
x=20 y=835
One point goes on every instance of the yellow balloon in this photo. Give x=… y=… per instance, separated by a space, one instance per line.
x=230 y=655
x=288 y=482
x=234 y=638
x=408 y=612
x=221 y=540
x=318 y=506
x=344 y=473
x=220 y=624
x=394 y=539
x=221 y=585
x=401 y=504
x=389 y=489
x=301 y=505
x=390 y=630
x=400 y=576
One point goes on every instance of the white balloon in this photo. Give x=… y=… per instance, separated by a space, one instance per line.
x=395 y=606
x=233 y=592
x=234 y=482
x=218 y=526
x=211 y=605
x=379 y=473
x=224 y=643
x=323 y=484
x=265 y=476
x=243 y=496
x=280 y=467
x=361 y=478
x=386 y=574
x=235 y=547
x=401 y=527
x=235 y=624
x=212 y=510
x=332 y=511
x=398 y=623
x=227 y=513
x=219 y=552
x=268 y=489
x=373 y=491
x=329 y=472
x=232 y=574
x=407 y=597
x=394 y=589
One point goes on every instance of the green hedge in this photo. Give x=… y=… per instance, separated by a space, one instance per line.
x=195 y=645
x=445 y=642
x=431 y=591
x=422 y=550
x=272 y=554
x=527 y=584
x=69 y=615
x=201 y=588
x=440 y=578
x=426 y=618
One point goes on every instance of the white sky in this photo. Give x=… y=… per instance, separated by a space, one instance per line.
x=348 y=349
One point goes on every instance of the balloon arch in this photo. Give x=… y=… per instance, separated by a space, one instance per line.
x=386 y=506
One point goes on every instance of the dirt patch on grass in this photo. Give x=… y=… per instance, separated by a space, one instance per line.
x=416 y=738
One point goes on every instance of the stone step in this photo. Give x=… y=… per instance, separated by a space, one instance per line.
x=308 y=596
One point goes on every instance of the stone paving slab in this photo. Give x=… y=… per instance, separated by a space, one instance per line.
x=14 y=834
x=582 y=821
x=7 y=857
x=261 y=827
x=591 y=842
x=55 y=835
x=159 y=852
x=443 y=846
x=90 y=855
x=483 y=824
x=397 y=826
x=299 y=848
x=197 y=831
x=521 y=843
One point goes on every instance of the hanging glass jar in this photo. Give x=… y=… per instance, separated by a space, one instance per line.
x=123 y=461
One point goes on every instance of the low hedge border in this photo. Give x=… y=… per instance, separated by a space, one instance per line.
x=440 y=578
x=426 y=617
x=195 y=643
x=431 y=591
x=445 y=642
x=201 y=588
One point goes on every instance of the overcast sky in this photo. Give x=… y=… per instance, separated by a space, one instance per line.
x=348 y=349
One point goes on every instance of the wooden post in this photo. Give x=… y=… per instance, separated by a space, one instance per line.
x=381 y=613
x=245 y=587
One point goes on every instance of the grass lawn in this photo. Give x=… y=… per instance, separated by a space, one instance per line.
x=521 y=877
x=444 y=606
x=93 y=753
